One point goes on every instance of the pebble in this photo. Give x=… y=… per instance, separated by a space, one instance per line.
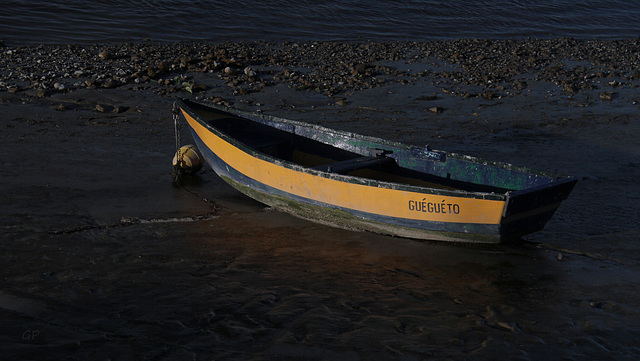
x=332 y=68
x=109 y=84
x=341 y=102
x=506 y=326
x=163 y=66
x=606 y=95
x=427 y=97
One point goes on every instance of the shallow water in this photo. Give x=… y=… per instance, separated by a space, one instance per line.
x=81 y=21
x=251 y=283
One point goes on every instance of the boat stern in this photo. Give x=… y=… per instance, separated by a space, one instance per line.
x=528 y=211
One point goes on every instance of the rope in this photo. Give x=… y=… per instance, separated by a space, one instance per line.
x=178 y=172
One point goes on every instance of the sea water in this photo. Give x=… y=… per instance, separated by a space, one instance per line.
x=81 y=21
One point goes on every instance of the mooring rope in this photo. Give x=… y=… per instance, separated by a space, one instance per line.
x=576 y=252
x=178 y=172
x=130 y=221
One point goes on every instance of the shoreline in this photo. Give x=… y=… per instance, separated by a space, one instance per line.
x=498 y=67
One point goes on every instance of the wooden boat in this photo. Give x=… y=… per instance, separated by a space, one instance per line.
x=365 y=183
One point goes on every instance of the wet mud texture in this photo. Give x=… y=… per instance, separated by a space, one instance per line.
x=104 y=258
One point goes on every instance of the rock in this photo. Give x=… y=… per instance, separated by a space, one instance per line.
x=436 y=109
x=229 y=70
x=58 y=86
x=427 y=97
x=488 y=94
x=520 y=85
x=152 y=73
x=101 y=108
x=607 y=95
x=185 y=60
x=192 y=87
x=241 y=91
x=104 y=55
x=571 y=88
x=359 y=69
x=61 y=107
x=506 y=326
x=110 y=84
x=163 y=67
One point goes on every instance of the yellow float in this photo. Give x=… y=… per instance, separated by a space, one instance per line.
x=188 y=159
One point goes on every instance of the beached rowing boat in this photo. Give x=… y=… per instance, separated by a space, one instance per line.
x=365 y=183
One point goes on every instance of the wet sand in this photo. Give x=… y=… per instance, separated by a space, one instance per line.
x=103 y=258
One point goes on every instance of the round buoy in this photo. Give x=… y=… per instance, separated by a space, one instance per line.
x=188 y=159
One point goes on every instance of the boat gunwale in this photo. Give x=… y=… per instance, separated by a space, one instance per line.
x=184 y=104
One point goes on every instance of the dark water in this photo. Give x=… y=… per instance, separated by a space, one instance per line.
x=82 y=21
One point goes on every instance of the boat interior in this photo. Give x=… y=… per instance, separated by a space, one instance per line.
x=314 y=154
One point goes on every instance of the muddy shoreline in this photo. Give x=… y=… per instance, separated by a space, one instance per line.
x=104 y=258
x=499 y=68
